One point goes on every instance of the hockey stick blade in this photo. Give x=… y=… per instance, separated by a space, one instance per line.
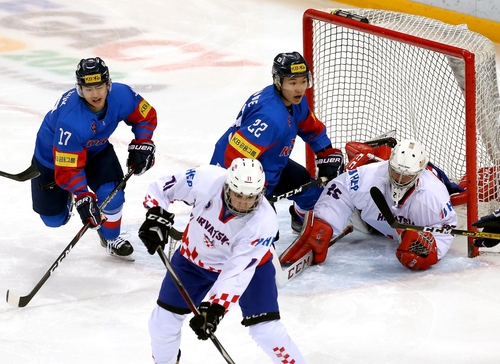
x=298 y=190
x=379 y=199
x=30 y=173
x=22 y=301
x=283 y=276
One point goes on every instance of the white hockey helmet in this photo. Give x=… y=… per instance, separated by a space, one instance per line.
x=408 y=160
x=245 y=177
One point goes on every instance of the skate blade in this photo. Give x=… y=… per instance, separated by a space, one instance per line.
x=127 y=258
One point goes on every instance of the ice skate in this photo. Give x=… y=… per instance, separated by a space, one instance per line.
x=118 y=247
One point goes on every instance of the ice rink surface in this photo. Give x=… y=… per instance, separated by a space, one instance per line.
x=197 y=62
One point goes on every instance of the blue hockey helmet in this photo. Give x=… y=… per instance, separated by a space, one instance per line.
x=290 y=65
x=92 y=72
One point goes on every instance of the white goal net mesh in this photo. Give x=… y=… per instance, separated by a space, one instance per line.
x=366 y=85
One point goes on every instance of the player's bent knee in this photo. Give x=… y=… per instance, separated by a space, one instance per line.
x=262 y=332
x=116 y=202
x=418 y=250
x=55 y=220
x=165 y=333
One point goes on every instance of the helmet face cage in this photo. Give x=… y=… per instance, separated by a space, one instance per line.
x=91 y=72
x=245 y=177
x=406 y=164
x=290 y=65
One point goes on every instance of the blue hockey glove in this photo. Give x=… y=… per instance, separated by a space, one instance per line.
x=141 y=155
x=86 y=205
x=330 y=163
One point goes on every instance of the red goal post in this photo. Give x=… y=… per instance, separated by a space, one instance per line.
x=420 y=77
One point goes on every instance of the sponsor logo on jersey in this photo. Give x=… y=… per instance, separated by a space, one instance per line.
x=66 y=159
x=144 y=108
x=244 y=146
x=93 y=78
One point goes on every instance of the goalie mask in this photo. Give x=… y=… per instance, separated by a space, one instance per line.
x=290 y=65
x=408 y=160
x=244 y=186
x=91 y=72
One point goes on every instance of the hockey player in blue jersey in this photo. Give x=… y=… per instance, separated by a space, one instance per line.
x=266 y=129
x=75 y=158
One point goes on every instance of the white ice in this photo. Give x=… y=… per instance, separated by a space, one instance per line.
x=196 y=62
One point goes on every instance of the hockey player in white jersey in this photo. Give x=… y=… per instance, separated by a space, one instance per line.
x=224 y=257
x=415 y=194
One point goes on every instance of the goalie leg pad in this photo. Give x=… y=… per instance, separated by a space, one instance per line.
x=418 y=250
x=315 y=236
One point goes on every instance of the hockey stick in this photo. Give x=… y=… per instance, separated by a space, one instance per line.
x=385 y=140
x=389 y=141
x=379 y=199
x=188 y=299
x=175 y=236
x=283 y=276
x=298 y=190
x=30 y=173
x=21 y=301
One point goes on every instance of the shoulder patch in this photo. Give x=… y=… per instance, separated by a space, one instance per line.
x=244 y=146
x=66 y=159
x=144 y=108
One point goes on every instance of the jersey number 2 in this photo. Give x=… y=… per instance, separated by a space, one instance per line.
x=257 y=128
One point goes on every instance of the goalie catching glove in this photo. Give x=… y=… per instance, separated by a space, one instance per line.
x=418 y=250
x=490 y=224
x=154 y=231
x=206 y=322
x=86 y=205
x=330 y=163
x=141 y=155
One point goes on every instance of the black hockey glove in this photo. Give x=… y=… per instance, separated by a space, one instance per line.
x=330 y=163
x=86 y=205
x=154 y=231
x=206 y=322
x=490 y=224
x=141 y=155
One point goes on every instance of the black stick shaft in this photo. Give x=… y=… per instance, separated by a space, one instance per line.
x=22 y=301
x=190 y=302
x=379 y=199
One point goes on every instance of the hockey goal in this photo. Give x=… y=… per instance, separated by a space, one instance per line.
x=381 y=70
